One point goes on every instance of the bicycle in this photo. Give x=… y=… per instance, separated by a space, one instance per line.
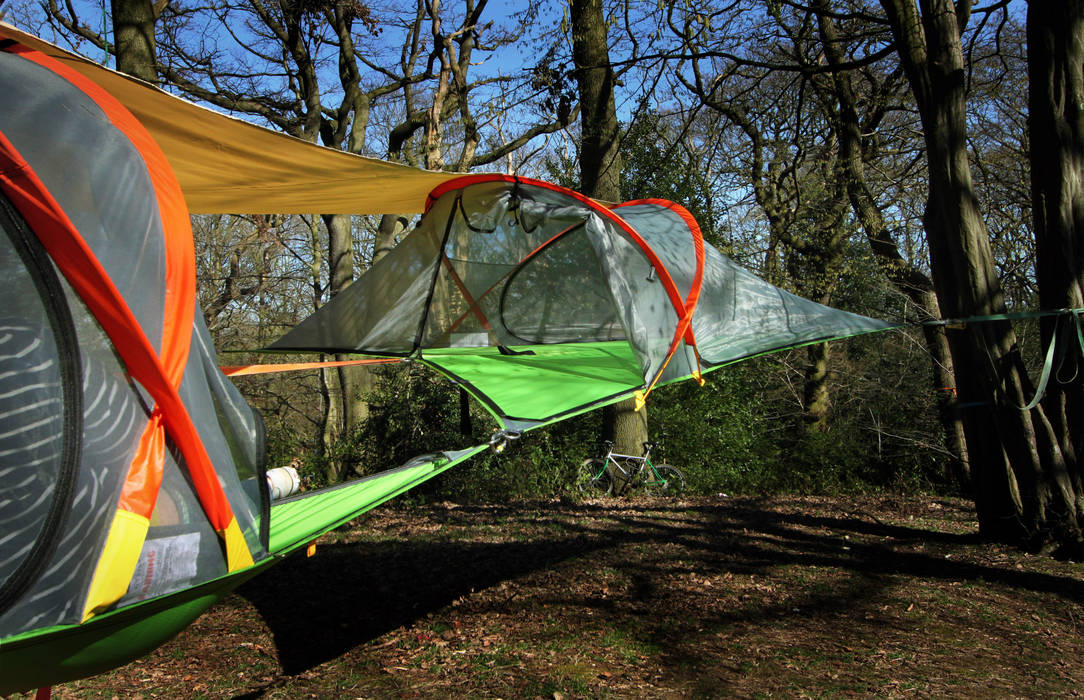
x=596 y=475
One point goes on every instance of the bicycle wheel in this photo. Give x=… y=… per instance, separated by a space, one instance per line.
x=593 y=479
x=668 y=481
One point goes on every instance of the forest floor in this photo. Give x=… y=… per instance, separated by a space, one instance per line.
x=699 y=597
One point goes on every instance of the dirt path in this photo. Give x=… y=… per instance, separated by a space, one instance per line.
x=716 y=597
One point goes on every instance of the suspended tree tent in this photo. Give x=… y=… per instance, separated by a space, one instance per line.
x=544 y=303
x=132 y=490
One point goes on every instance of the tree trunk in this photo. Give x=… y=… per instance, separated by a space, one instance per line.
x=600 y=155
x=944 y=386
x=817 y=399
x=133 y=38
x=354 y=383
x=900 y=272
x=391 y=227
x=1055 y=34
x=331 y=423
x=600 y=170
x=1016 y=459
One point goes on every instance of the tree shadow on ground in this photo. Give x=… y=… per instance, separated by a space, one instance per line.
x=348 y=594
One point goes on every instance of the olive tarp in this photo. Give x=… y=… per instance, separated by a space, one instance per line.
x=132 y=485
x=227 y=165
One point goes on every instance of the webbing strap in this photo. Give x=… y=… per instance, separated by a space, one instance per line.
x=1048 y=361
x=1079 y=331
x=1048 y=365
x=243 y=370
x=1013 y=316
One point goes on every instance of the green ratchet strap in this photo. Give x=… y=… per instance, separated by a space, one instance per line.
x=1048 y=364
x=1016 y=315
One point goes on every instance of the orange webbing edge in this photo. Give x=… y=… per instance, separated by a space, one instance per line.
x=160 y=376
x=684 y=327
x=244 y=370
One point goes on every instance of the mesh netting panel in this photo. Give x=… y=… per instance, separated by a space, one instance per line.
x=741 y=315
x=380 y=312
x=500 y=262
x=96 y=174
x=31 y=413
x=91 y=170
x=669 y=236
x=561 y=295
x=181 y=548
x=231 y=433
x=462 y=304
x=681 y=365
x=642 y=302
x=114 y=416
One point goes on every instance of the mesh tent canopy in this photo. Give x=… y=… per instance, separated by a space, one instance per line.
x=543 y=303
x=132 y=484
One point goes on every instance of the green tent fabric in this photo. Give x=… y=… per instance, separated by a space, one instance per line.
x=525 y=390
x=293 y=520
x=50 y=655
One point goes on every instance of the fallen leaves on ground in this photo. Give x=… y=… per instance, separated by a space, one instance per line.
x=731 y=597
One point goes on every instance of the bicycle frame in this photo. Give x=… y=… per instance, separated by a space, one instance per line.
x=633 y=474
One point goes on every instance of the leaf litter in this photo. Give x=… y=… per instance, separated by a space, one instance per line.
x=700 y=597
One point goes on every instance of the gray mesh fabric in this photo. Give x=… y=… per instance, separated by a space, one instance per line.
x=102 y=184
x=229 y=430
x=741 y=315
x=75 y=150
x=358 y=318
x=114 y=416
x=500 y=263
x=31 y=415
x=560 y=295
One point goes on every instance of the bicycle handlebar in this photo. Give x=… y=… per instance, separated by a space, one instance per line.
x=647 y=445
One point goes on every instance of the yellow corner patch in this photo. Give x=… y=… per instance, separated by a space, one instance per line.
x=238 y=555
x=117 y=562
